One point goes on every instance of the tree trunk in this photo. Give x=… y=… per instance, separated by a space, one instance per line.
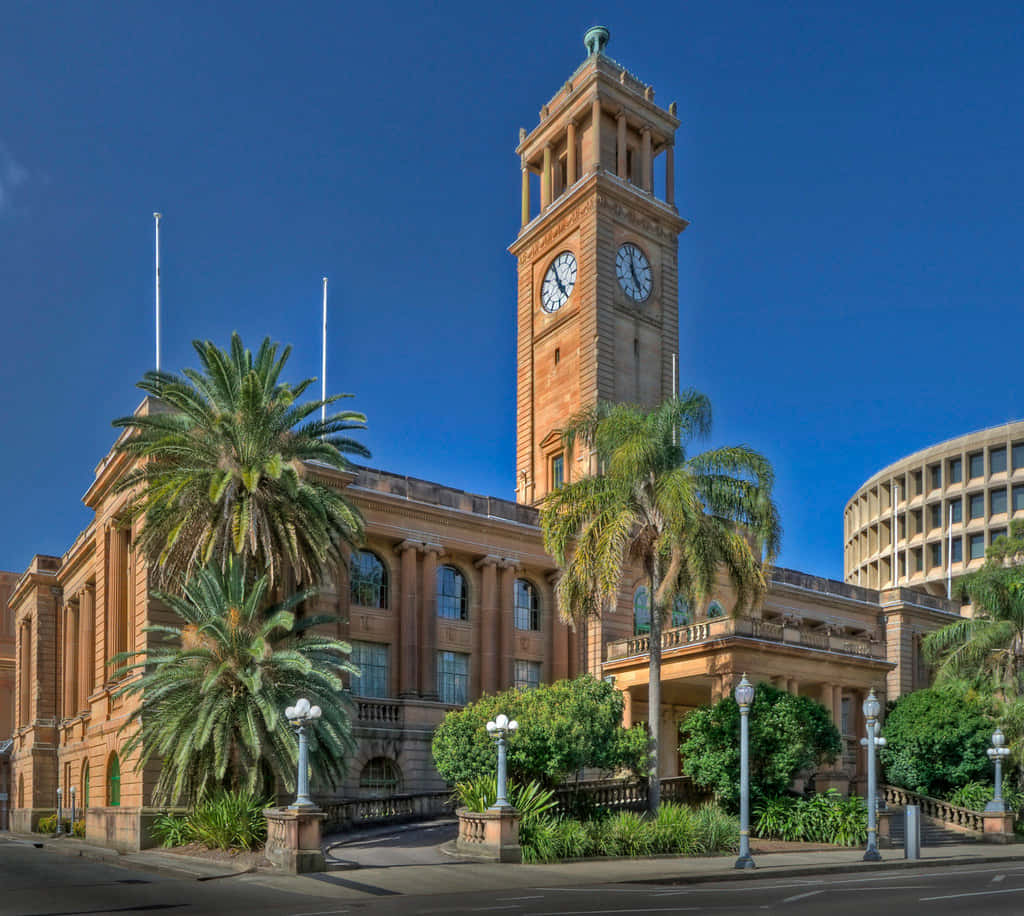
x=654 y=698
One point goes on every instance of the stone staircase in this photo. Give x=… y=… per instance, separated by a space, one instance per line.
x=931 y=834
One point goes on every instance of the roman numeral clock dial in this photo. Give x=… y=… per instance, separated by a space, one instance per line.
x=634 y=272
x=558 y=282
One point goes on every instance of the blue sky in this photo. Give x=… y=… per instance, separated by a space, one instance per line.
x=850 y=286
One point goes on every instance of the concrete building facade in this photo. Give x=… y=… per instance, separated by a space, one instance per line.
x=451 y=596
x=948 y=503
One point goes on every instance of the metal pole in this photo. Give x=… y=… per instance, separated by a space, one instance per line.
x=501 y=801
x=302 y=799
x=156 y=221
x=73 y=812
x=60 y=812
x=323 y=366
x=949 y=555
x=744 y=860
x=895 y=567
x=871 y=854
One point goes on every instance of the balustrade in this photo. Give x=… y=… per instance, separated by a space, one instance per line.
x=935 y=808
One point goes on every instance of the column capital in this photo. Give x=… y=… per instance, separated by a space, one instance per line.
x=409 y=544
x=620 y=114
x=489 y=560
x=553 y=578
x=509 y=563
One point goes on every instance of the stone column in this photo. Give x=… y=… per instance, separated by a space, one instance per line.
x=408 y=641
x=86 y=644
x=24 y=674
x=71 y=654
x=64 y=661
x=620 y=159
x=526 y=193
x=825 y=698
x=837 y=707
x=506 y=615
x=670 y=175
x=595 y=130
x=645 y=158
x=486 y=671
x=627 y=708
x=793 y=686
x=428 y=623
x=570 y=154
x=545 y=179
x=116 y=598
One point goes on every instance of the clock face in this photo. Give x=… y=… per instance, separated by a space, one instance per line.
x=558 y=282
x=634 y=272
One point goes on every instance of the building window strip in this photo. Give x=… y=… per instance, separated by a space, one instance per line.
x=452 y=677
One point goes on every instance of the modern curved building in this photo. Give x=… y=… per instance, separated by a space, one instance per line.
x=948 y=502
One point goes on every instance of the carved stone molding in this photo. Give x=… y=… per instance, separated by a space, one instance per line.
x=567 y=222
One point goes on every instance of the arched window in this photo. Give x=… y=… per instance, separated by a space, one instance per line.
x=368 y=577
x=380 y=776
x=113 y=782
x=641 y=611
x=527 y=615
x=451 y=594
x=680 y=613
x=715 y=610
x=85 y=785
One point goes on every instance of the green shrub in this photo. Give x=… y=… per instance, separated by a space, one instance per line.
x=976 y=794
x=675 y=830
x=563 y=727
x=936 y=740
x=787 y=734
x=572 y=839
x=823 y=818
x=629 y=834
x=716 y=831
x=78 y=828
x=530 y=800
x=539 y=840
x=230 y=820
x=47 y=824
x=172 y=830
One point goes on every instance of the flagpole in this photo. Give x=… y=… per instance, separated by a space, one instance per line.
x=323 y=366
x=949 y=554
x=156 y=223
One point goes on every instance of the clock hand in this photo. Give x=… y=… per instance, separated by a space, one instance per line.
x=558 y=280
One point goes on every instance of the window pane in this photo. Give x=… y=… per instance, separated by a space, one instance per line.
x=369 y=580
x=997 y=500
x=955 y=470
x=935 y=472
x=527 y=608
x=451 y=594
x=935 y=551
x=372 y=661
x=1018 y=498
x=918 y=482
x=957 y=506
x=557 y=471
x=977 y=464
x=641 y=611
x=1018 y=456
x=958 y=550
x=452 y=677
x=527 y=674
x=976 y=505
x=935 y=515
x=995 y=534
x=977 y=546
x=380 y=776
x=715 y=610
x=680 y=613
x=997 y=460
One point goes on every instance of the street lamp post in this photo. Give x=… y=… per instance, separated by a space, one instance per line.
x=871 y=710
x=60 y=812
x=500 y=728
x=744 y=697
x=73 y=812
x=996 y=753
x=301 y=716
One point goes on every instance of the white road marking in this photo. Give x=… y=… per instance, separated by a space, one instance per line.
x=801 y=896
x=535 y=897
x=1009 y=890
x=998 y=878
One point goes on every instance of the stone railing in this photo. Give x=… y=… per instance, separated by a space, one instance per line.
x=379 y=712
x=359 y=812
x=472 y=827
x=751 y=628
x=962 y=820
x=624 y=795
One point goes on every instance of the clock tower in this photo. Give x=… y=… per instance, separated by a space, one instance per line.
x=598 y=311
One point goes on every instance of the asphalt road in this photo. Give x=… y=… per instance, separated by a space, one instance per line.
x=36 y=882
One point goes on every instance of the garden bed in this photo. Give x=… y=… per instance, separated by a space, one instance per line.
x=243 y=858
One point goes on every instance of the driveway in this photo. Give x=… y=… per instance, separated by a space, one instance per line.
x=391 y=847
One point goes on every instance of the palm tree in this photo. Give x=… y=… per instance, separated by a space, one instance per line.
x=988 y=648
x=682 y=518
x=224 y=469
x=214 y=689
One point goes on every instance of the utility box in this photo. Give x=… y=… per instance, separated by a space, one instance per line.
x=912 y=832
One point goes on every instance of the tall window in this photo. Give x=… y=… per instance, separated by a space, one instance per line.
x=1018 y=456
x=976 y=464
x=680 y=613
x=380 y=776
x=527 y=674
x=956 y=470
x=936 y=554
x=958 y=550
x=368 y=578
x=452 y=677
x=641 y=611
x=85 y=786
x=1018 y=498
x=527 y=609
x=113 y=781
x=372 y=660
x=935 y=476
x=935 y=515
x=557 y=471
x=451 y=594
x=716 y=610
x=977 y=546
x=997 y=460
x=995 y=534
x=957 y=505
x=976 y=505
x=997 y=501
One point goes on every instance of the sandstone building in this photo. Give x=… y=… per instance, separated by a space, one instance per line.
x=452 y=595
